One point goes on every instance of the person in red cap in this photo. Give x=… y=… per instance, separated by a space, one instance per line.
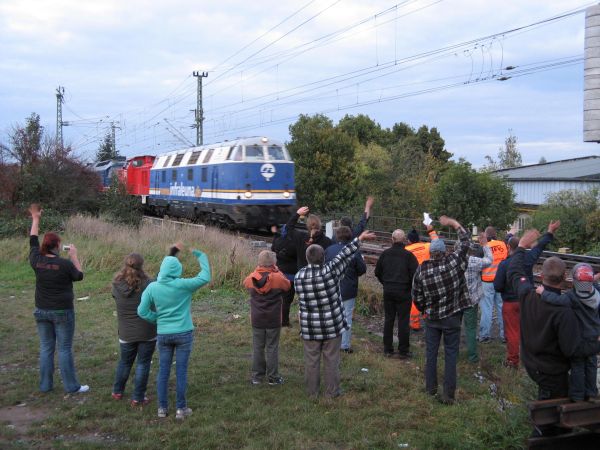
x=584 y=299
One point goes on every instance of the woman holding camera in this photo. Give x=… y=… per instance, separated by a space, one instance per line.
x=171 y=297
x=137 y=337
x=54 y=312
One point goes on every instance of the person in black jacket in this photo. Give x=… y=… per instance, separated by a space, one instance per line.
x=285 y=250
x=550 y=334
x=137 y=337
x=304 y=239
x=395 y=270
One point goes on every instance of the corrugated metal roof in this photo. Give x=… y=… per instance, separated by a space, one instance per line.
x=587 y=167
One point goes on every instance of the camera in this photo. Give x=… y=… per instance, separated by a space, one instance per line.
x=66 y=248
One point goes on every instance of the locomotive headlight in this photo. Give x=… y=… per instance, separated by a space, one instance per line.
x=248 y=194
x=286 y=194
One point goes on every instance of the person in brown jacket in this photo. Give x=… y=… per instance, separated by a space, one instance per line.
x=266 y=286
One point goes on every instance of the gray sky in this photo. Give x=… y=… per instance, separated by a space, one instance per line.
x=415 y=61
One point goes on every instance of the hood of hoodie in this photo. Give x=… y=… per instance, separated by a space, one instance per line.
x=170 y=269
x=261 y=280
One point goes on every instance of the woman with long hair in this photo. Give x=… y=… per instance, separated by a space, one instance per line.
x=171 y=298
x=137 y=337
x=54 y=312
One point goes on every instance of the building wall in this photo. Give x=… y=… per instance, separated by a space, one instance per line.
x=535 y=192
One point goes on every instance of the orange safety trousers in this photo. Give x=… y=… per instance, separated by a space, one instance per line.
x=415 y=318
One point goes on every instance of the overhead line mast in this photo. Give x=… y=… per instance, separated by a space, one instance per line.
x=199 y=111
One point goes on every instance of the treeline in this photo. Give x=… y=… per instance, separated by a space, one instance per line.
x=408 y=170
x=34 y=168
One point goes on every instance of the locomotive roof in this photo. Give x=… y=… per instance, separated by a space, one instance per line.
x=233 y=142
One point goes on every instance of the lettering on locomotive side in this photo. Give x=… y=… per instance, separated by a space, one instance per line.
x=182 y=191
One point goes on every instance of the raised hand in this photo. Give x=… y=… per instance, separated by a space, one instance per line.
x=303 y=211
x=369 y=203
x=553 y=226
x=482 y=238
x=367 y=236
x=35 y=211
x=529 y=238
x=72 y=251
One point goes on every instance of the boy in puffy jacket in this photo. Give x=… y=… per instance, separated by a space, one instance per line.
x=584 y=299
x=266 y=286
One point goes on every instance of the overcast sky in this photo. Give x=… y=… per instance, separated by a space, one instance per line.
x=415 y=61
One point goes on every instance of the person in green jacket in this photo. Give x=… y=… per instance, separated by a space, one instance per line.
x=167 y=302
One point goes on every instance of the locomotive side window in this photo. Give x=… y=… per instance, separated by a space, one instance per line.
x=137 y=163
x=167 y=161
x=194 y=157
x=164 y=176
x=208 y=155
x=275 y=153
x=173 y=175
x=254 y=153
x=190 y=174
x=204 y=174
x=178 y=159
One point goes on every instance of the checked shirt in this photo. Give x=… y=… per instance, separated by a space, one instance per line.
x=440 y=286
x=320 y=300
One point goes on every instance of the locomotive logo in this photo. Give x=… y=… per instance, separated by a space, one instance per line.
x=267 y=171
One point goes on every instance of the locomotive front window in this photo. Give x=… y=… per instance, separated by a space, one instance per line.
x=254 y=153
x=275 y=153
x=235 y=154
x=137 y=163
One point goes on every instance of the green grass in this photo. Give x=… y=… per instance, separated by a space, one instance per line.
x=383 y=408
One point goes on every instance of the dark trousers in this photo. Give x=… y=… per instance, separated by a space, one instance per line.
x=396 y=306
x=288 y=299
x=143 y=351
x=449 y=329
x=582 y=381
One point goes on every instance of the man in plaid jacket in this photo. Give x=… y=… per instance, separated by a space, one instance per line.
x=440 y=291
x=322 y=314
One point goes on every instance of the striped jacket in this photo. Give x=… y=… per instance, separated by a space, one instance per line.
x=320 y=300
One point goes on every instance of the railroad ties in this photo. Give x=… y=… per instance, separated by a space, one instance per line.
x=580 y=421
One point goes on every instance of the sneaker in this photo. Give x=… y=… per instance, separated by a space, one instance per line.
x=82 y=389
x=162 y=413
x=116 y=396
x=446 y=400
x=137 y=403
x=388 y=354
x=348 y=350
x=182 y=413
x=256 y=381
x=275 y=381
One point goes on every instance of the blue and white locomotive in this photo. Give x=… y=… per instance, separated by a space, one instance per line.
x=245 y=183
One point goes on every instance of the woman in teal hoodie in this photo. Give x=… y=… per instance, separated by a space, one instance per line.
x=171 y=298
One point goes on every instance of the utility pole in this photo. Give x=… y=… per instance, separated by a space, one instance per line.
x=113 y=127
x=198 y=111
x=60 y=92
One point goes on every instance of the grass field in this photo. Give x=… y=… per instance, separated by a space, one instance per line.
x=383 y=408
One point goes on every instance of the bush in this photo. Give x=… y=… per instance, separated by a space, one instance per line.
x=17 y=222
x=120 y=207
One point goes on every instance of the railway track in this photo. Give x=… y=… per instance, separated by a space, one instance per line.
x=372 y=250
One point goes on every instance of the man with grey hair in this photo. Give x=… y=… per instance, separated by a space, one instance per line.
x=322 y=314
x=395 y=270
x=440 y=291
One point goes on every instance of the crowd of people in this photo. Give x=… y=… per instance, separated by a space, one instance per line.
x=426 y=285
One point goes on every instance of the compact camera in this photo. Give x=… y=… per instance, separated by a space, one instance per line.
x=66 y=248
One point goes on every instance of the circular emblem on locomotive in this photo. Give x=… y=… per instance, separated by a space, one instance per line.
x=267 y=171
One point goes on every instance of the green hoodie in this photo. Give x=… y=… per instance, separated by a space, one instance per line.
x=171 y=295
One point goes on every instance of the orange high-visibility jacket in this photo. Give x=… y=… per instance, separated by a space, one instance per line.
x=500 y=253
x=421 y=249
x=421 y=252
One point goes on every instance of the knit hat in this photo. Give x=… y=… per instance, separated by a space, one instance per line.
x=583 y=280
x=437 y=245
x=413 y=236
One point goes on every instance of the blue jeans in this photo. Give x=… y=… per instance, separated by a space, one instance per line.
x=179 y=344
x=56 y=327
x=144 y=351
x=491 y=299
x=348 y=310
x=449 y=329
